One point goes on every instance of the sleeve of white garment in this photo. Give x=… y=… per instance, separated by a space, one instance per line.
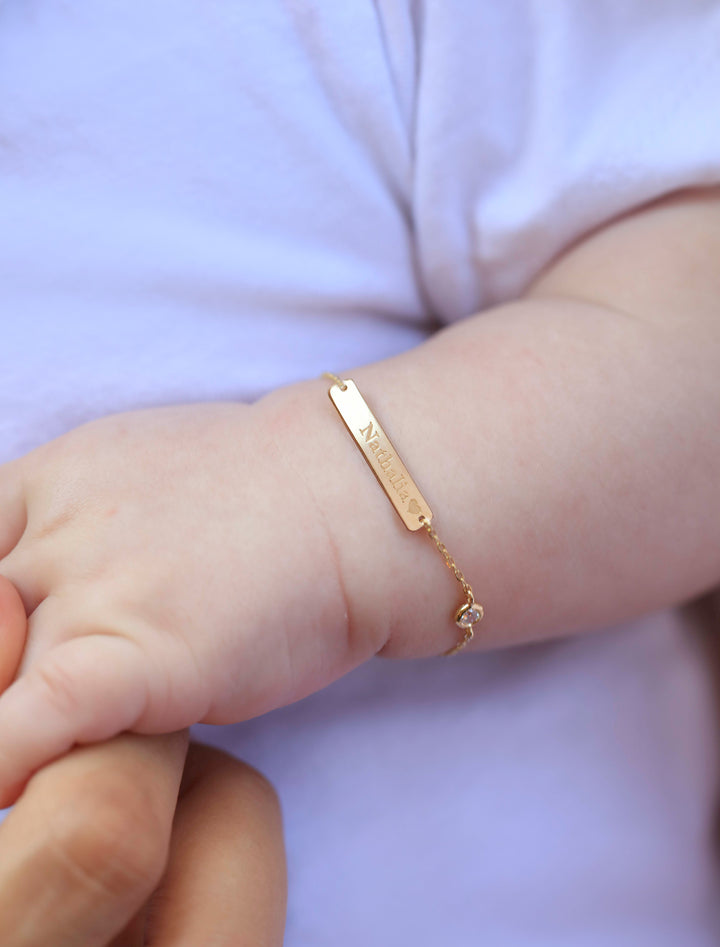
x=535 y=122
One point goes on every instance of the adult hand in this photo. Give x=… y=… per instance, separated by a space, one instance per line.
x=100 y=851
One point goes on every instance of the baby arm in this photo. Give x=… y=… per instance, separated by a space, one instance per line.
x=568 y=444
x=211 y=562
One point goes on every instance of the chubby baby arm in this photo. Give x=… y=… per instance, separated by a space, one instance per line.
x=568 y=444
x=211 y=562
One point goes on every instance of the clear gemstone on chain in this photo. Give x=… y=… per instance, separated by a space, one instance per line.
x=468 y=615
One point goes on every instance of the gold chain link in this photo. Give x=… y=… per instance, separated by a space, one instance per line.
x=338 y=381
x=450 y=562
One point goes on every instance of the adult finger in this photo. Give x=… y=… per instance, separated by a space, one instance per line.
x=13 y=625
x=226 y=882
x=13 y=510
x=87 y=844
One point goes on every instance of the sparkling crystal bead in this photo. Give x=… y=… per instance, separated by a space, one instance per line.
x=468 y=615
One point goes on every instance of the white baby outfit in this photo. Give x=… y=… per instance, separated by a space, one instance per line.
x=203 y=201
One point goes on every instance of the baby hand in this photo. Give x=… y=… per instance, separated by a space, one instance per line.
x=174 y=571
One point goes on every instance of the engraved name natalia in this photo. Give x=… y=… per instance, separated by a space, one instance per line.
x=384 y=460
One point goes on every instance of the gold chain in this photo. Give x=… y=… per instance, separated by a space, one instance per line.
x=449 y=560
x=338 y=381
x=470 y=612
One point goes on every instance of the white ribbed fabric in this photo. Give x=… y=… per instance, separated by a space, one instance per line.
x=205 y=201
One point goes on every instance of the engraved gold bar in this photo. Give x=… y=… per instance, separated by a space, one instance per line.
x=380 y=454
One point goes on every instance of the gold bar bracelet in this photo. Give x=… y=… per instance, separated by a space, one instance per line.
x=399 y=487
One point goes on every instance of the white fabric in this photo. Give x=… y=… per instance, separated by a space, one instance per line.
x=205 y=201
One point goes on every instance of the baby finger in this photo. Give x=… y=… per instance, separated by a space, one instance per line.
x=84 y=691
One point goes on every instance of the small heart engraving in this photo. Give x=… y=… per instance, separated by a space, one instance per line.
x=414 y=506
